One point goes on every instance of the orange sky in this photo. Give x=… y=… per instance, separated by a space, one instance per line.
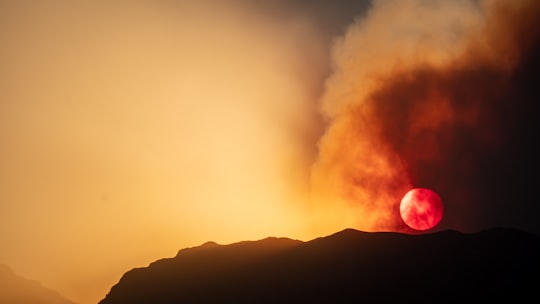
x=132 y=130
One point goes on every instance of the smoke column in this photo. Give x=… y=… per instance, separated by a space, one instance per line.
x=429 y=94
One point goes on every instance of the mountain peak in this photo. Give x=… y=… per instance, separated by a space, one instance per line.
x=16 y=289
x=210 y=244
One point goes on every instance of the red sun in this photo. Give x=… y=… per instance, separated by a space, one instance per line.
x=421 y=209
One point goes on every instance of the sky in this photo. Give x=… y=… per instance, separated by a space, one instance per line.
x=132 y=129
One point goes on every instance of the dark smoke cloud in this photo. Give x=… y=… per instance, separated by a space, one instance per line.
x=456 y=113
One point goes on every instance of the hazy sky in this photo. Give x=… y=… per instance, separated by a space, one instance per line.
x=132 y=129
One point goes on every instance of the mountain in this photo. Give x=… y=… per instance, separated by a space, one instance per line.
x=17 y=290
x=347 y=267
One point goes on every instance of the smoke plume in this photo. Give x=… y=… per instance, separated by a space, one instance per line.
x=434 y=94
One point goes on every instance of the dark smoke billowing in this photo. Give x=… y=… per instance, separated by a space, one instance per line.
x=434 y=94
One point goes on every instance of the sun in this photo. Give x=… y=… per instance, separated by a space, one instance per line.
x=421 y=209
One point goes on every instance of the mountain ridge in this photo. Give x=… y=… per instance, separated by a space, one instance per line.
x=343 y=267
x=15 y=289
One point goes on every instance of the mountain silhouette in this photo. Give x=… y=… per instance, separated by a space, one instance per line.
x=15 y=289
x=347 y=267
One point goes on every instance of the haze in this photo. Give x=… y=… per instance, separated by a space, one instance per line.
x=132 y=129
